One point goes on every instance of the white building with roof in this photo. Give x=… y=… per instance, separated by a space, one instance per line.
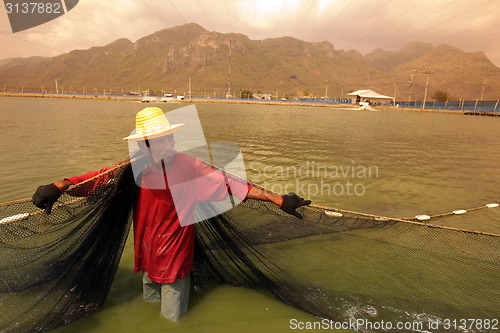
x=374 y=98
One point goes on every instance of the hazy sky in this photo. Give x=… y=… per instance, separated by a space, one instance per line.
x=363 y=25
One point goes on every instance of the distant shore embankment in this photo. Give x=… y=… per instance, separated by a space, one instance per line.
x=135 y=98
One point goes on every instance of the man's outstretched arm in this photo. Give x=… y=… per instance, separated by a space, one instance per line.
x=287 y=203
x=47 y=195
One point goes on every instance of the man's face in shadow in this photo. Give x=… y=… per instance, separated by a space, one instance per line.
x=161 y=148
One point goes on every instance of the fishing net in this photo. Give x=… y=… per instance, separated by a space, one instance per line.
x=342 y=266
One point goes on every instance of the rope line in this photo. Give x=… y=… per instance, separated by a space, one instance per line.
x=405 y=220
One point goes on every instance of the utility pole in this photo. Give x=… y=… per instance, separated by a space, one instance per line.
x=229 y=71
x=57 y=88
x=395 y=90
x=482 y=93
x=413 y=73
x=189 y=87
x=326 y=90
x=426 y=85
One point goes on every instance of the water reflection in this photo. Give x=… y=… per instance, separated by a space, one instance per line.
x=426 y=163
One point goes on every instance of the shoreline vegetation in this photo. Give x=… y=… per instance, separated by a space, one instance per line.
x=134 y=98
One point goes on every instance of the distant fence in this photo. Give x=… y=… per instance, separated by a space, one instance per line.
x=470 y=106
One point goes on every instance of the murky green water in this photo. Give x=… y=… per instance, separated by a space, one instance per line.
x=390 y=163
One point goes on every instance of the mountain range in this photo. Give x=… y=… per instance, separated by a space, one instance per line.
x=208 y=62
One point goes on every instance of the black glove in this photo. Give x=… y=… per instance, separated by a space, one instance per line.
x=291 y=202
x=45 y=197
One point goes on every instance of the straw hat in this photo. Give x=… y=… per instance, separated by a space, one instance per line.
x=152 y=123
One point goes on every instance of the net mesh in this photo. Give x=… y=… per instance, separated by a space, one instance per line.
x=333 y=264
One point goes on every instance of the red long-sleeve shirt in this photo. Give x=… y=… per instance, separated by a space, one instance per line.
x=164 y=213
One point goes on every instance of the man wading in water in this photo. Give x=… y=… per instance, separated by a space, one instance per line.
x=169 y=188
